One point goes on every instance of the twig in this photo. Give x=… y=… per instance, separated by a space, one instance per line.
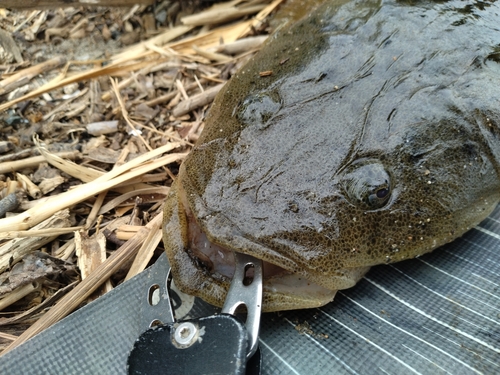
x=36 y=309
x=197 y=101
x=213 y=56
x=171 y=95
x=61 y=82
x=146 y=251
x=17 y=156
x=7 y=336
x=125 y=115
x=32 y=190
x=241 y=45
x=95 y=210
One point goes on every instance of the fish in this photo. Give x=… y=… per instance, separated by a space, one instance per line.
x=366 y=133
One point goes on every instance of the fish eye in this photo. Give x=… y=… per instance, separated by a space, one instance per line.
x=367 y=185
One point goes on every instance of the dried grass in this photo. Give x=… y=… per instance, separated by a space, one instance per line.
x=83 y=192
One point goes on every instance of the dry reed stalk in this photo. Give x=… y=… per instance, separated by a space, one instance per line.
x=220 y=13
x=48 y=232
x=49 y=184
x=12 y=187
x=124 y=197
x=22 y=77
x=171 y=95
x=213 y=56
x=16 y=155
x=120 y=211
x=125 y=115
x=259 y=18
x=7 y=336
x=183 y=47
x=18 y=294
x=197 y=101
x=126 y=82
x=12 y=166
x=127 y=60
x=124 y=236
x=38 y=308
x=212 y=38
x=146 y=252
x=15 y=249
x=133 y=168
x=32 y=190
x=66 y=251
x=91 y=218
x=62 y=81
x=91 y=253
x=241 y=45
x=83 y=290
x=139 y=49
x=130 y=228
x=86 y=174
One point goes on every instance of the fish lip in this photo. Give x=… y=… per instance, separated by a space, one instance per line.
x=279 y=294
x=215 y=257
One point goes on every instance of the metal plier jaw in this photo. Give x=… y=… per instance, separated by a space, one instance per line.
x=216 y=344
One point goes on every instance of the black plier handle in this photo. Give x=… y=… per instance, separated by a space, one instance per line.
x=216 y=344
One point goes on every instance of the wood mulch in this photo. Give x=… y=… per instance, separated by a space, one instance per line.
x=98 y=108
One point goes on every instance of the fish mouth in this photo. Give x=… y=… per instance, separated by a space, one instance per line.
x=203 y=268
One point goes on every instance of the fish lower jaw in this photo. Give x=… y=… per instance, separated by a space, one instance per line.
x=283 y=290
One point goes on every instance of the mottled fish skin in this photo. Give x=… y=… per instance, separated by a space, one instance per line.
x=375 y=139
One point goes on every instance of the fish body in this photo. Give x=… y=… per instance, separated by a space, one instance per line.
x=375 y=139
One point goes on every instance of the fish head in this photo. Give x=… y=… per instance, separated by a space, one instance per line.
x=353 y=152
